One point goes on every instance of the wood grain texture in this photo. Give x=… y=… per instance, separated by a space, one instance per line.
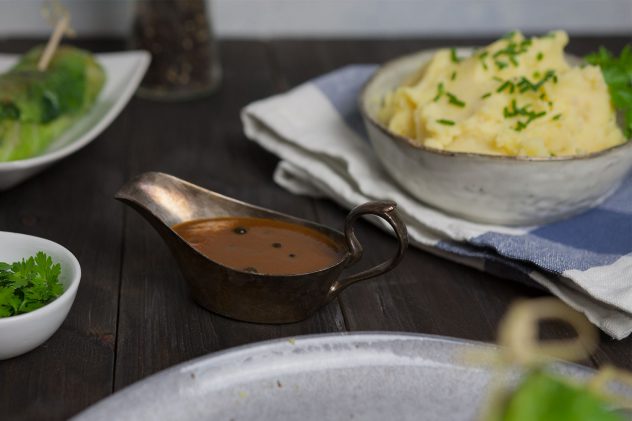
x=159 y=323
x=133 y=315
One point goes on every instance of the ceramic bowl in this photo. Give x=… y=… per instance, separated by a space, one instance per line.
x=24 y=332
x=488 y=188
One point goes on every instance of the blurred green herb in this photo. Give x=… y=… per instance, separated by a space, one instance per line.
x=506 y=85
x=515 y=111
x=617 y=72
x=511 y=51
x=454 y=56
x=28 y=284
x=481 y=57
x=544 y=397
x=440 y=92
x=524 y=84
x=454 y=100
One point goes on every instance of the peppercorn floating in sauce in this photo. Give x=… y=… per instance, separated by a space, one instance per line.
x=260 y=245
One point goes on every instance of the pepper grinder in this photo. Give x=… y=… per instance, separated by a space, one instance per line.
x=185 y=60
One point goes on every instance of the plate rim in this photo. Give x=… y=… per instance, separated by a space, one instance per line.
x=186 y=367
x=143 y=58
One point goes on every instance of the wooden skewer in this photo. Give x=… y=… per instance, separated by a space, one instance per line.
x=61 y=27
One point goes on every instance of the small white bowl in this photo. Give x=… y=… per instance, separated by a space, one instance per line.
x=24 y=332
x=504 y=190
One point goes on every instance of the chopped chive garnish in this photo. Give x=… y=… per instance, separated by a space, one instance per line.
x=445 y=122
x=525 y=84
x=520 y=125
x=542 y=96
x=539 y=56
x=440 y=92
x=487 y=95
x=497 y=79
x=453 y=76
x=511 y=51
x=510 y=112
x=514 y=111
x=556 y=117
x=452 y=99
x=481 y=57
x=453 y=56
x=507 y=85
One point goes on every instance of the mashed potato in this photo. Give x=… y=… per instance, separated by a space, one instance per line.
x=517 y=96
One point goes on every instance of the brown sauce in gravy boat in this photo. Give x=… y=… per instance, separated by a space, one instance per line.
x=238 y=289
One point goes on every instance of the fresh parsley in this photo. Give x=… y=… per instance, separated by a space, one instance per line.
x=617 y=72
x=28 y=284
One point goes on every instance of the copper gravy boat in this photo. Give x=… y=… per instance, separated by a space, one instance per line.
x=165 y=200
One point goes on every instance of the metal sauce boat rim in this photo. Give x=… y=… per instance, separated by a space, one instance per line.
x=337 y=236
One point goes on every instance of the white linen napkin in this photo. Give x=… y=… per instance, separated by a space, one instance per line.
x=317 y=132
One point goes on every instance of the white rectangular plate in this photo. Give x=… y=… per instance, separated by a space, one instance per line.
x=124 y=72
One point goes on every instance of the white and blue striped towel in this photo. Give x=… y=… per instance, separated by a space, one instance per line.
x=317 y=132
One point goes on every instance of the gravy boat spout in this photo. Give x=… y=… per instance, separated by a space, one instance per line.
x=165 y=201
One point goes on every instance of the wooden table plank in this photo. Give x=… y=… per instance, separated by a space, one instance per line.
x=200 y=141
x=70 y=204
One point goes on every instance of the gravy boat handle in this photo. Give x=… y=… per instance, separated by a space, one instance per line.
x=387 y=211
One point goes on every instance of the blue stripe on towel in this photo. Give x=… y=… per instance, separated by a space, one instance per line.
x=597 y=237
x=343 y=88
x=493 y=263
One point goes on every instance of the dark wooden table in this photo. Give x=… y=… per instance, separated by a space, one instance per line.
x=133 y=315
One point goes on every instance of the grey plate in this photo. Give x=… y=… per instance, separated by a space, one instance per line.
x=364 y=376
